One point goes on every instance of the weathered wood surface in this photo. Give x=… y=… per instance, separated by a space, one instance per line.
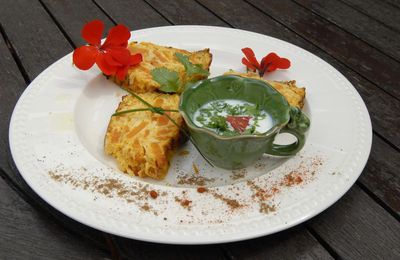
x=132 y=249
x=379 y=11
x=122 y=13
x=358 y=24
x=29 y=234
x=381 y=170
x=274 y=247
x=357 y=228
x=40 y=32
x=393 y=3
x=177 y=13
x=35 y=37
x=70 y=15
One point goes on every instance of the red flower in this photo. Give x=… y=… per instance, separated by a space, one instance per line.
x=112 y=57
x=239 y=123
x=269 y=63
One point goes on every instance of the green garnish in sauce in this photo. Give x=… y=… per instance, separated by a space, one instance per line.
x=229 y=117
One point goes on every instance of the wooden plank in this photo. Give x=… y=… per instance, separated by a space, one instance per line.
x=378 y=35
x=13 y=84
x=132 y=249
x=357 y=228
x=72 y=15
x=36 y=39
x=284 y=245
x=300 y=242
x=186 y=12
x=28 y=234
x=394 y=3
x=135 y=14
x=379 y=10
x=381 y=174
x=351 y=51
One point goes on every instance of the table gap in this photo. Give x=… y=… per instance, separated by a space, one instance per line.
x=378 y=200
x=160 y=13
x=323 y=243
x=387 y=141
x=395 y=5
x=14 y=55
x=114 y=21
x=64 y=33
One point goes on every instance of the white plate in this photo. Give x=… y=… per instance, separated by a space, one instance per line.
x=58 y=126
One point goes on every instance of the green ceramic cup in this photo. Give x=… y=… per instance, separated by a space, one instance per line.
x=235 y=152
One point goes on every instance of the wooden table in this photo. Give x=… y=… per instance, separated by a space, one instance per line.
x=360 y=38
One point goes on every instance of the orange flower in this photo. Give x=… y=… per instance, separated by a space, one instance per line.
x=112 y=57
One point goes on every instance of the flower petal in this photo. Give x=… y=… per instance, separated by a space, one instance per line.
x=135 y=59
x=118 y=36
x=93 y=31
x=269 y=59
x=248 y=64
x=110 y=60
x=272 y=62
x=271 y=67
x=120 y=54
x=121 y=72
x=104 y=66
x=85 y=56
x=282 y=63
x=251 y=57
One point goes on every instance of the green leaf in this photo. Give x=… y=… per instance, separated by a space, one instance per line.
x=168 y=79
x=191 y=69
x=251 y=109
x=218 y=122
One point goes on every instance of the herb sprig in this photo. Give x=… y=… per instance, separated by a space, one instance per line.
x=169 y=80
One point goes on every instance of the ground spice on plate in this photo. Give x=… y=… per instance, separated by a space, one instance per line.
x=185 y=203
x=153 y=194
x=194 y=180
x=183 y=153
x=201 y=189
x=232 y=203
x=291 y=179
x=132 y=193
x=302 y=174
x=238 y=174
x=265 y=208
x=196 y=169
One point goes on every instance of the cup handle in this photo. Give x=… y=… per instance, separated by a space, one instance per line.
x=298 y=125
